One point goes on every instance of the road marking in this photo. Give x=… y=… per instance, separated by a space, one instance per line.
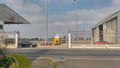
x=96 y=58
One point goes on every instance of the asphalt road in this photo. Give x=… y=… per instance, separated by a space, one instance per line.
x=75 y=58
x=76 y=53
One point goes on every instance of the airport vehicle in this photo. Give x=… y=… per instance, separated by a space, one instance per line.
x=26 y=44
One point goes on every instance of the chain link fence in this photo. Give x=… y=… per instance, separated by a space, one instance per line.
x=81 y=37
x=8 y=38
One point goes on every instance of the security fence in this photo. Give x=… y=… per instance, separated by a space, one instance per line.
x=9 y=37
x=87 y=39
x=81 y=37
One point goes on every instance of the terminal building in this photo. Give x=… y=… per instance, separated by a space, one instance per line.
x=9 y=16
x=108 y=29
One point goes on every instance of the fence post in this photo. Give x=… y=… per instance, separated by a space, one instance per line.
x=16 y=40
x=69 y=40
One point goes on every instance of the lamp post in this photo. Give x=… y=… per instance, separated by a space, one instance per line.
x=76 y=15
x=46 y=31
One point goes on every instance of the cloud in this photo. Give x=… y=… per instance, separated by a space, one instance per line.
x=116 y=2
x=32 y=8
x=30 y=11
x=93 y=15
x=14 y=3
x=19 y=2
x=59 y=22
x=66 y=1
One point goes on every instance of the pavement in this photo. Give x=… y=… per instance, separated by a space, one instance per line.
x=75 y=46
x=78 y=63
x=83 y=55
x=71 y=58
x=81 y=46
x=96 y=46
x=62 y=46
x=89 y=63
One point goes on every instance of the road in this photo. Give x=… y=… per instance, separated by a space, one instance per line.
x=34 y=53
x=84 y=58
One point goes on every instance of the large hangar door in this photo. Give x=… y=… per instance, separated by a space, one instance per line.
x=101 y=32
x=111 y=31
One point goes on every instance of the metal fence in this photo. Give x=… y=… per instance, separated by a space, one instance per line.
x=9 y=37
x=81 y=37
x=87 y=37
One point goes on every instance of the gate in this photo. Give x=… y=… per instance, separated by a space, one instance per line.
x=9 y=37
x=77 y=38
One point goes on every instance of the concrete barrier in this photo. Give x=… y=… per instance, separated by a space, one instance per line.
x=100 y=46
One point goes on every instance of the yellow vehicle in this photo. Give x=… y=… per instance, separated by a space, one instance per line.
x=57 y=40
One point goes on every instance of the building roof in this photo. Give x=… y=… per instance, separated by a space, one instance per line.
x=107 y=18
x=9 y=16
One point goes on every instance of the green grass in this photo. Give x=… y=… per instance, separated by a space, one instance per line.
x=22 y=60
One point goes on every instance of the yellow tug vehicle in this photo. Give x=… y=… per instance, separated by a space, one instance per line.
x=57 y=39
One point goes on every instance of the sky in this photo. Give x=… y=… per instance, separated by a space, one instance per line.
x=61 y=15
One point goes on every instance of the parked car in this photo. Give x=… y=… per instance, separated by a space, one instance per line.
x=27 y=44
x=101 y=42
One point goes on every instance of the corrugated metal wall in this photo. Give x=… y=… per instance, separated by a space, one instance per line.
x=118 y=28
x=110 y=31
x=96 y=34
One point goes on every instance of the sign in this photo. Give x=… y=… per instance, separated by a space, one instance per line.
x=11 y=19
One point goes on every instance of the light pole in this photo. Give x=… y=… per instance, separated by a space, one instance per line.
x=46 y=31
x=76 y=14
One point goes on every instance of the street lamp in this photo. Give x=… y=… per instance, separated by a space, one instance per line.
x=46 y=31
x=76 y=14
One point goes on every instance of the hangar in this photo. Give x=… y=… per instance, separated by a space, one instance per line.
x=9 y=16
x=108 y=29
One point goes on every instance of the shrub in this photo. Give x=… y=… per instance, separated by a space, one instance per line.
x=6 y=62
x=22 y=60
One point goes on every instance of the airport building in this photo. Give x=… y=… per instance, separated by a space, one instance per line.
x=108 y=29
x=9 y=16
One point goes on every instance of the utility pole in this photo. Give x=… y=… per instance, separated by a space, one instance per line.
x=46 y=31
x=76 y=15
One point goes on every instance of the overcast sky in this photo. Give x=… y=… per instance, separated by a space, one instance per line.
x=61 y=15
